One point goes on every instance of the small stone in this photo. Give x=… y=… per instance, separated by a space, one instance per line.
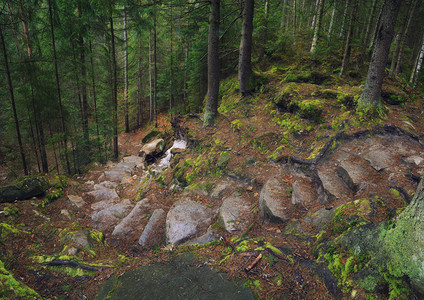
x=415 y=161
x=76 y=200
x=65 y=213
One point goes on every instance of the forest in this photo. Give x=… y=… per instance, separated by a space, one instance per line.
x=78 y=72
x=258 y=89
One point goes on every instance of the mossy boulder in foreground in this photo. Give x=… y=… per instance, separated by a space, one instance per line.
x=24 y=188
x=395 y=250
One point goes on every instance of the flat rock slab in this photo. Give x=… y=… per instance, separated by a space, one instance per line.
x=76 y=200
x=105 y=184
x=234 y=213
x=132 y=222
x=154 y=232
x=110 y=216
x=134 y=162
x=273 y=201
x=113 y=175
x=379 y=159
x=184 y=277
x=104 y=194
x=187 y=219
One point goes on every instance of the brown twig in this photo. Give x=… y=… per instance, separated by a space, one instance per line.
x=253 y=264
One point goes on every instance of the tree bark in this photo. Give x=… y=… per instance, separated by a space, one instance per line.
x=211 y=108
x=417 y=65
x=317 y=26
x=370 y=99
x=344 y=18
x=333 y=13
x=12 y=100
x=58 y=90
x=245 y=58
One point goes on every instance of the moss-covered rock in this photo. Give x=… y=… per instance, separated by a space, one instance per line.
x=24 y=188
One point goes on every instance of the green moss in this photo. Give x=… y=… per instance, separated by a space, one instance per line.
x=343 y=265
x=7 y=229
x=11 y=288
x=97 y=235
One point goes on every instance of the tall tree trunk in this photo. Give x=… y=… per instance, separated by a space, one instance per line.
x=93 y=86
x=211 y=108
x=15 y=33
x=150 y=77
x=333 y=13
x=139 y=92
x=264 y=36
x=34 y=140
x=245 y=58
x=127 y=122
x=171 y=69
x=314 y=17
x=59 y=96
x=155 y=59
x=365 y=41
x=377 y=25
x=395 y=52
x=370 y=99
x=83 y=85
x=404 y=35
x=12 y=99
x=115 y=91
x=346 y=56
x=317 y=26
x=32 y=79
x=344 y=18
x=417 y=65
x=187 y=51
x=294 y=18
x=284 y=15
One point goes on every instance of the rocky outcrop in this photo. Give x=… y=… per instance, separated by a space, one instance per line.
x=187 y=219
x=154 y=232
x=111 y=215
x=234 y=213
x=131 y=223
x=152 y=150
x=273 y=202
x=24 y=188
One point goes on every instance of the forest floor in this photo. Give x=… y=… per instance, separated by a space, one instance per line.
x=278 y=121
